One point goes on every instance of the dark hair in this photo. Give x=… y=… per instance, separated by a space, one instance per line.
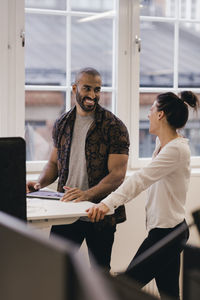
x=175 y=108
x=89 y=71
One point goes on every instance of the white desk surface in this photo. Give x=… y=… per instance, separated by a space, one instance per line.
x=42 y=212
x=49 y=209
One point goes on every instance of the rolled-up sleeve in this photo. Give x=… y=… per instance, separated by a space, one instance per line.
x=118 y=139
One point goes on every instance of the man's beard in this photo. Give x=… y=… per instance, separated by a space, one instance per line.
x=81 y=102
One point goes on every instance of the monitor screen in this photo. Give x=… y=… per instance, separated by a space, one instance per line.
x=35 y=267
x=127 y=289
x=191 y=273
x=13 y=176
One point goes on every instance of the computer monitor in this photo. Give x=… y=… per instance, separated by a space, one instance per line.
x=35 y=267
x=191 y=273
x=128 y=289
x=13 y=176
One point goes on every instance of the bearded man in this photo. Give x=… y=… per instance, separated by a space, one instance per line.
x=89 y=158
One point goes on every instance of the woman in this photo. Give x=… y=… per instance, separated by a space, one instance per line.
x=167 y=179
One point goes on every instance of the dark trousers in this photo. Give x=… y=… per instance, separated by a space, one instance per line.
x=163 y=264
x=99 y=239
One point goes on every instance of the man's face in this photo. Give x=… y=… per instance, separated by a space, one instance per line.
x=87 y=91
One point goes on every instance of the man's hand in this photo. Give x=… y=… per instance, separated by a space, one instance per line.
x=75 y=195
x=97 y=212
x=32 y=186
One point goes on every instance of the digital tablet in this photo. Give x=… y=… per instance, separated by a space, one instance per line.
x=45 y=195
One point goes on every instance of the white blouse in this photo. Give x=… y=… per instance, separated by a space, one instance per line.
x=167 y=178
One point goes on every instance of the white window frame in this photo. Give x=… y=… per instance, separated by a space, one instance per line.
x=128 y=73
x=35 y=166
x=128 y=81
x=12 y=113
x=12 y=99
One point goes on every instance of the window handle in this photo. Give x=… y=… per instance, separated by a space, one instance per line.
x=138 y=42
x=22 y=36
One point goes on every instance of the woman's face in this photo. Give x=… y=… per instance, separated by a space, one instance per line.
x=153 y=119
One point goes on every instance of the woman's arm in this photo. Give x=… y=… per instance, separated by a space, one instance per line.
x=166 y=162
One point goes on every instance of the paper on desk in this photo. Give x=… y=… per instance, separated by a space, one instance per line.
x=50 y=209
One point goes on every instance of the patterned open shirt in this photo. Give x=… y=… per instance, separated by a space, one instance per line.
x=107 y=135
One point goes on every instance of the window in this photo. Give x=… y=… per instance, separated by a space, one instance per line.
x=61 y=38
x=169 y=61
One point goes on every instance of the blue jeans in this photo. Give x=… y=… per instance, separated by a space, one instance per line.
x=162 y=264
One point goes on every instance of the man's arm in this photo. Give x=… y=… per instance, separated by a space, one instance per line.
x=48 y=175
x=117 y=165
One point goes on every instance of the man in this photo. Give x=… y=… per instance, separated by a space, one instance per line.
x=89 y=158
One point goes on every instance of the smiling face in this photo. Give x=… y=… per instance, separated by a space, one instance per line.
x=87 y=91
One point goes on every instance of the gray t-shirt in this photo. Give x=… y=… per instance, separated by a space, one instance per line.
x=77 y=176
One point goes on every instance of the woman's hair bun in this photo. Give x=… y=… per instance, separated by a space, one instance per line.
x=190 y=98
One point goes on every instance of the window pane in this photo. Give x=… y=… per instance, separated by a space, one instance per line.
x=42 y=109
x=156 y=58
x=106 y=100
x=147 y=140
x=91 y=46
x=45 y=49
x=191 y=131
x=46 y=4
x=92 y=5
x=190 y=9
x=189 y=55
x=163 y=8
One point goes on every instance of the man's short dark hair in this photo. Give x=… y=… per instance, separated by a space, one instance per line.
x=89 y=71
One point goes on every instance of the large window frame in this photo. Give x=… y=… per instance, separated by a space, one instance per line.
x=34 y=166
x=176 y=21
x=12 y=91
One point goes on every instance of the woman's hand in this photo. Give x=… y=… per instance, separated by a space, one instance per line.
x=97 y=212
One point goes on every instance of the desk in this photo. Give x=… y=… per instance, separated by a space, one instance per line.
x=44 y=213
